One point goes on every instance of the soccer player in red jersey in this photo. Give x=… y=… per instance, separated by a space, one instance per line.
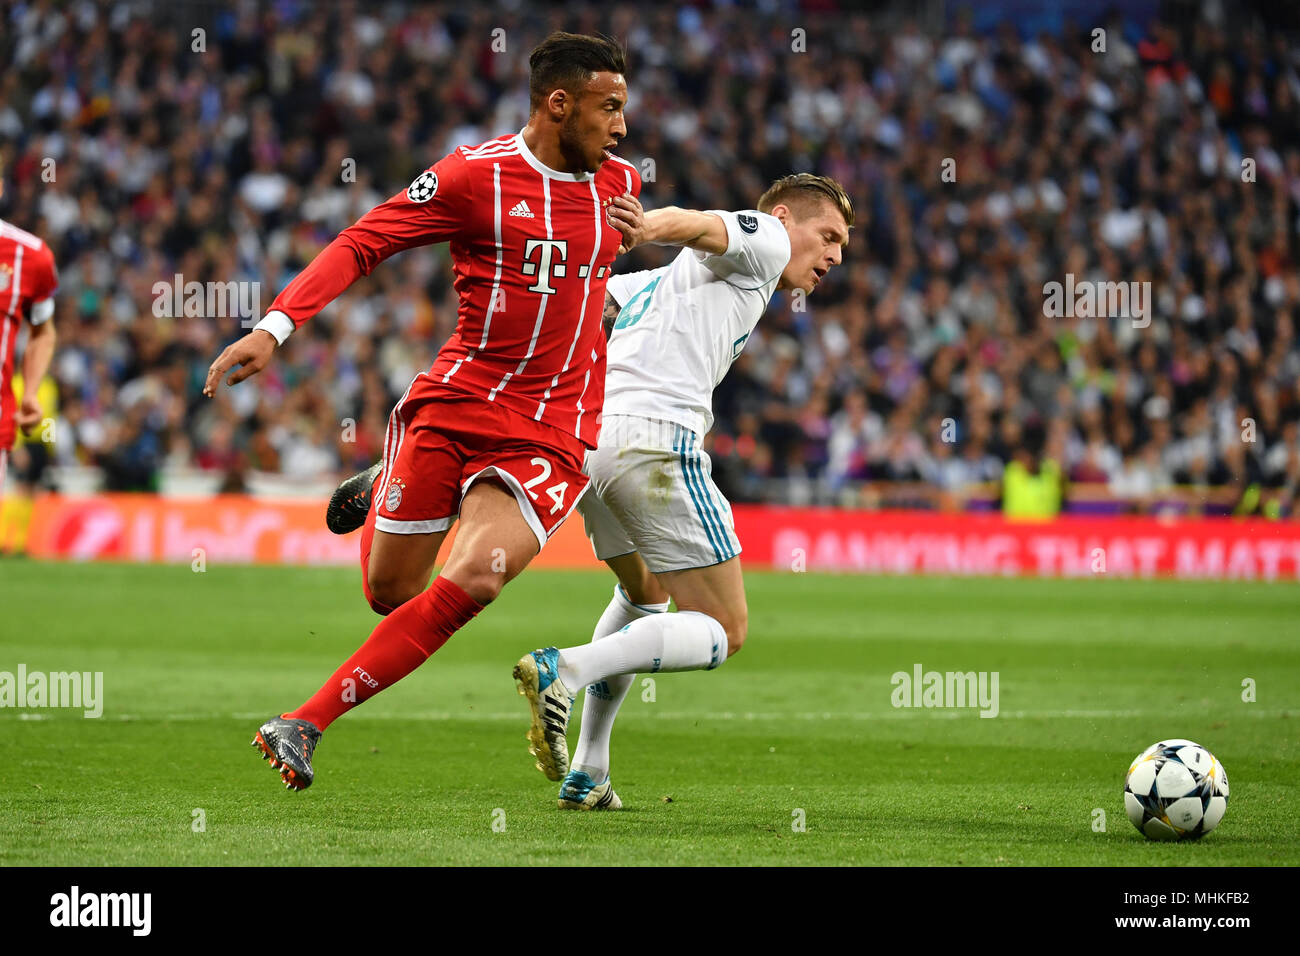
x=28 y=281
x=496 y=431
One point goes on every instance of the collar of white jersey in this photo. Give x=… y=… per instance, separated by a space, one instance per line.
x=542 y=168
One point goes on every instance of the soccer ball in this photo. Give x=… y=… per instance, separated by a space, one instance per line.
x=1175 y=790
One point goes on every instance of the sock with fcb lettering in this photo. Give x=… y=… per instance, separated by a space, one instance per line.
x=683 y=641
x=604 y=697
x=402 y=642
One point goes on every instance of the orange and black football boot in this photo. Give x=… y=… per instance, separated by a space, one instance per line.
x=289 y=743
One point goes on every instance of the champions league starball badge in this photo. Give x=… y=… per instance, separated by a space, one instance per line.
x=423 y=187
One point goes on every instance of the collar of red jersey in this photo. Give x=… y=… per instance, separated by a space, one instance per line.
x=542 y=168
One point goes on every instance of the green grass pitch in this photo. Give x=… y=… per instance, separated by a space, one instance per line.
x=717 y=768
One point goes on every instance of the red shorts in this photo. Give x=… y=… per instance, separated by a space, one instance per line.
x=440 y=441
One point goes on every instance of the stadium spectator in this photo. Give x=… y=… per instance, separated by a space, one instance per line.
x=985 y=163
x=1032 y=486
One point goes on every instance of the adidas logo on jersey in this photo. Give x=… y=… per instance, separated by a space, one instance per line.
x=521 y=209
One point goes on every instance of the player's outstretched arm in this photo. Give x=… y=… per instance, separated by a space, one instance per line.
x=434 y=208
x=669 y=226
x=384 y=230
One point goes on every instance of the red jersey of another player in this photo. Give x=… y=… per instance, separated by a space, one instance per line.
x=532 y=252
x=28 y=281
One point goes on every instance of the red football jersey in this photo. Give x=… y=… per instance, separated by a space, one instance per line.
x=28 y=281
x=531 y=251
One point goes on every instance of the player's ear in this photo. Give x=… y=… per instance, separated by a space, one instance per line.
x=558 y=103
x=782 y=212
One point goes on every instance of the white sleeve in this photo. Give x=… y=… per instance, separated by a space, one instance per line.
x=278 y=324
x=41 y=311
x=622 y=287
x=758 y=248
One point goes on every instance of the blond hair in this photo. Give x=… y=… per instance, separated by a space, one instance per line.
x=804 y=190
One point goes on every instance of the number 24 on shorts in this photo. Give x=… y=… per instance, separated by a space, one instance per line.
x=555 y=491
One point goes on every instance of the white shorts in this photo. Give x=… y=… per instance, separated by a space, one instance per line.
x=651 y=492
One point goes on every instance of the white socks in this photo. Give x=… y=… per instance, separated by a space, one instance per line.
x=685 y=641
x=629 y=638
x=604 y=697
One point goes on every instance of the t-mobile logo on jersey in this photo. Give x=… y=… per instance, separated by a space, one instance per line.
x=549 y=247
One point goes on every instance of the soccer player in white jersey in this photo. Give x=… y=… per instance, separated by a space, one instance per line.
x=652 y=512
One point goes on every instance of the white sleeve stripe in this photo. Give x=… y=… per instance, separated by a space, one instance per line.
x=16 y=279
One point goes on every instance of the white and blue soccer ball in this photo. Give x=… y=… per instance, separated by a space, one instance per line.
x=1176 y=790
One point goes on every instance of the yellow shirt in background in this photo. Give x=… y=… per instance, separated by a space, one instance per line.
x=48 y=393
x=1031 y=496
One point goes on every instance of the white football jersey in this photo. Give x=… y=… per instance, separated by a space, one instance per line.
x=681 y=326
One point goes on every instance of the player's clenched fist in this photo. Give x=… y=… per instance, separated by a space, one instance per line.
x=29 y=414
x=625 y=214
x=251 y=353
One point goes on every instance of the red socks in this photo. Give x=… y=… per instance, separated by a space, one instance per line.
x=402 y=642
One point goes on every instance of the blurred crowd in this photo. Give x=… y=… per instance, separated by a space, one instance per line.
x=233 y=143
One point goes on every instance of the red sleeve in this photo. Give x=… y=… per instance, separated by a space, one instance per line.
x=434 y=208
x=47 y=275
x=45 y=282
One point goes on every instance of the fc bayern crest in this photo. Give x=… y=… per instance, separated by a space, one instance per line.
x=6 y=276
x=393 y=500
x=747 y=222
x=424 y=186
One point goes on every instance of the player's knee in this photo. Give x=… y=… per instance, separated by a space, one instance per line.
x=387 y=594
x=482 y=586
x=736 y=625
